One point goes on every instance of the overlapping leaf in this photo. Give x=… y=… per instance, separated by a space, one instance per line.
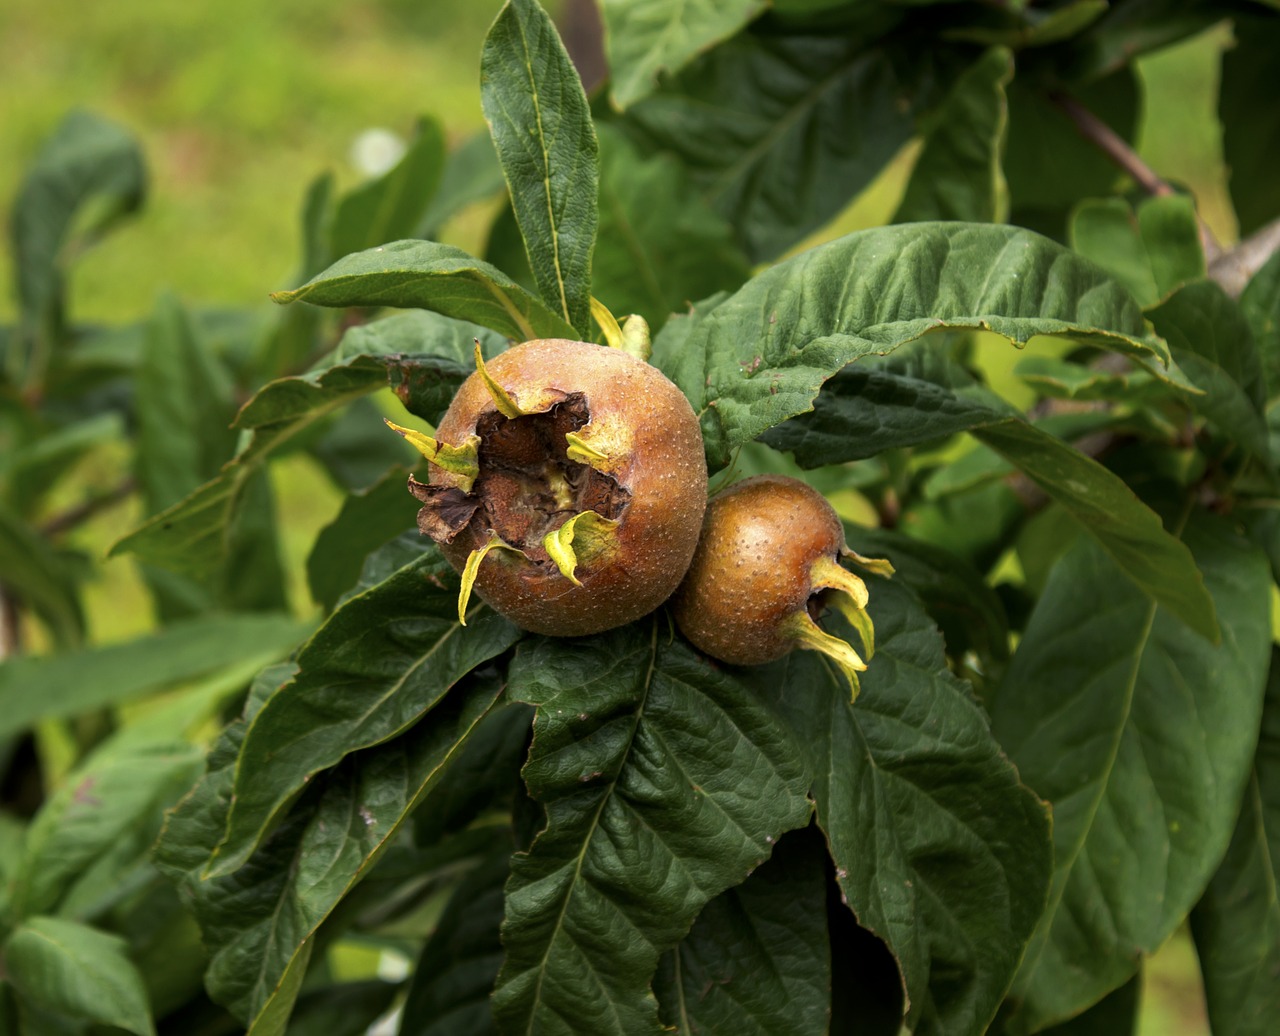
x=1251 y=131
x=938 y=849
x=646 y=38
x=664 y=782
x=1260 y=305
x=757 y=962
x=1237 y=922
x=762 y=355
x=781 y=131
x=546 y=142
x=384 y=659
x=1139 y=735
x=429 y=275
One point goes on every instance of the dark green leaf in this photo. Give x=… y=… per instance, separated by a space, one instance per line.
x=762 y=355
x=1134 y=28
x=542 y=130
x=32 y=689
x=780 y=132
x=34 y=573
x=1171 y=235
x=1020 y=27
x=87 y=175
x=938 y=849
x=390 y=207
x=646 y=38
x=344 y=1009
x=1132 y=729
x=757 y=962
x=367 y=520
x=73 y=971
x=1211 y=340
x=660 y=245
x=35 y=460
x=381 y=661
x=1260 y=305
x=1116 y=1014
x=664 y=782
x=958 y=174
x=260 y=922
x=1251 y=130
x=455 y=973
x=429 y=275
x=471 y=174
x=1237 y=923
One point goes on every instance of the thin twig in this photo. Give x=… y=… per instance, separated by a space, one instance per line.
x=88 y=508
x=1121 y=155
x=1235 y=268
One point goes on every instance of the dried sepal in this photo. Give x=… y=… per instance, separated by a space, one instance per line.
x=463 y=461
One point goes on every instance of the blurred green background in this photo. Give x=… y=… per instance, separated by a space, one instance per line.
x=240 y=104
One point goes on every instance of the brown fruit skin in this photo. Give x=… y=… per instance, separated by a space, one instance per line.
x=759 y=541
x=651 y=435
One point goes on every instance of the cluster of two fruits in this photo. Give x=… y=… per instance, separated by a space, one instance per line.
x=568 y=486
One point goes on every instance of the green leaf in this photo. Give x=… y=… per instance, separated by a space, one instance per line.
x=1237 y=922
x=1134 y=28
x=1251 y=131
x=1116 y=1014
x=73 y=971
x=455 y=972
x=660 y=245
x=344 y=1009
x=761 y=356
x=108 y=802
x=647 y=38
x=757 y=960
x=390 y=207
x=1155 y=561
x=1211 y=340
x=40 y=455
x=938 y=849
x=382 y=660
x=32 y=689
x=542 y=130
x=429 y=275
x=86 y=176
x=1260 y=306
x=780 y=132
x=471 y=174
x=1133 y=730
x=367 y=520
x=664 y=782
x=33 y=571
x=1171 y=234
x=958 y=174
x=260 y=923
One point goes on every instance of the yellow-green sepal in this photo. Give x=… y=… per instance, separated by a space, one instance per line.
x=463 y=461
x=583 y=539
x=472 y=569
x=608 y=323
x=809 y=635
x=847 y=593
x=507 y=406
x=582 y=451
x=636 y=339
x=876 y=566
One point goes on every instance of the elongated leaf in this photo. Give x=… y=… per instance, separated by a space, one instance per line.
x=76 y=972
x=646 y=38
x=1212 y=342
x=762 y=355
x=660 y=245
x=37 y=459
x=389 y=208
x=1141 y=738
x=780 y=132
x=88 y=174
x=1251 y=131
x=454 y=976
x=664 y=783
x=542 y=130
x=105 y=801
x=471 y=174
x=958 y=174
x=1260 y=305
x=32 y=689
x=37 y=575
x=383 y=659
x=938 y=849
x=260 y=923
x=757 y=961
x=429 y=275
x=1237 y=922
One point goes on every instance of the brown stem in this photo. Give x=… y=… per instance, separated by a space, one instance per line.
x=10 y=629
x=85 y=510
x=1121 y=155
